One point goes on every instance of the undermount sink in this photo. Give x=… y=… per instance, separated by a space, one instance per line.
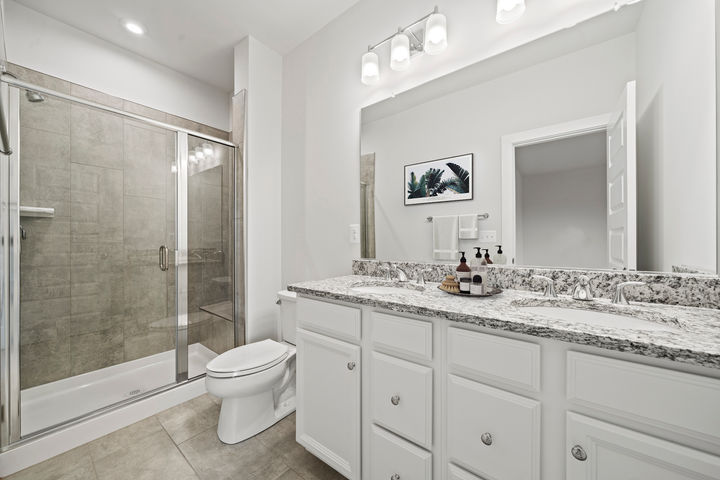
x=601 y=319
x=381 y=290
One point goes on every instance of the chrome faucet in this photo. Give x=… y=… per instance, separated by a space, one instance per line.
x=402 y=276
x=619 y=296
x=583 y=290
x=549 y=286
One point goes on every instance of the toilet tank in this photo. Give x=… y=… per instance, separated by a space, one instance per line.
x=288 y=307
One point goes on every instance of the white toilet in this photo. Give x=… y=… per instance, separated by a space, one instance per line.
x=255 y=381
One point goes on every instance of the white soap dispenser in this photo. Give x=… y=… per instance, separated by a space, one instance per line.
x=499 y=258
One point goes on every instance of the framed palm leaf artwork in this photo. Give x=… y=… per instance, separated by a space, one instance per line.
x=443 y=180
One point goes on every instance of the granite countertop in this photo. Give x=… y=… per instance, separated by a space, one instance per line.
x=687 y=334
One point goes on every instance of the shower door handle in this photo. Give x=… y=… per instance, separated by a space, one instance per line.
x=163 y=256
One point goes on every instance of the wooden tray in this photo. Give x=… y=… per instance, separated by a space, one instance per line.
x=488 y=293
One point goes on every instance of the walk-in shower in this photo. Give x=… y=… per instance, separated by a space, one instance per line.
x=119 y=257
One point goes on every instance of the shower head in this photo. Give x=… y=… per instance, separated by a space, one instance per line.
x=33 y=96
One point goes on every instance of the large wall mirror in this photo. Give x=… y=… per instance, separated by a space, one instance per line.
x=594 y=147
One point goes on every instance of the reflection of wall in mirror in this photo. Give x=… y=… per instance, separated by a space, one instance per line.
x=577 y=85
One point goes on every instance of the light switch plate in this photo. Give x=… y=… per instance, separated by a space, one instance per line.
x=487 y=235
x=355 y=233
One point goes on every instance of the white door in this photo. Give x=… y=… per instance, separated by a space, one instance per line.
x=328 y=401
x=622 y=183
x=597 y=450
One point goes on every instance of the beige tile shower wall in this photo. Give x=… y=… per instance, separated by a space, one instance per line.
x=91 y=293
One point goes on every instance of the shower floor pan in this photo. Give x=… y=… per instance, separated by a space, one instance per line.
x=57 y=402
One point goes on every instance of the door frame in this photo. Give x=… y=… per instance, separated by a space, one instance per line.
x=508 y=144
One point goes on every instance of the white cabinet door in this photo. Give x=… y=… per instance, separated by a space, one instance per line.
x=600 y=451
x=491 y=432
x=328 y=401
x=391 y=457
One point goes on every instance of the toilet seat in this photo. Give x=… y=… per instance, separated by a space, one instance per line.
x=247 y=359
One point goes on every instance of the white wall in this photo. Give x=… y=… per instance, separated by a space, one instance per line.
x=323 y=97
x=564 y=222
x=676 y=135
x=41 y=43
x=574 y=86
x=259 y=70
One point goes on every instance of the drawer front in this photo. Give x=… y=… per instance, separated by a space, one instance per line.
x=612 y=453
x=492 y=433
x=671 y=400
x=401 y=394
x=511 y=362
x=390 y=455
x=457 y=473
x=402 y=336
x=335 y=320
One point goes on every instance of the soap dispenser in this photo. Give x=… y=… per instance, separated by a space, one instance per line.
x=463 y=274
x=487 y=256
x=499 y=258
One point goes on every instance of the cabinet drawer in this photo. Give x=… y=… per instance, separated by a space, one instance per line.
x=491 y=432
x=676 y=401
x=457 y=473
x=512 y=362
x=335 y=320
x=401 y=394
x=614 y=453
x=391 y=455
x=402 y=336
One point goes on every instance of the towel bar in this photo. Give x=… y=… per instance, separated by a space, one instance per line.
x=481 y=216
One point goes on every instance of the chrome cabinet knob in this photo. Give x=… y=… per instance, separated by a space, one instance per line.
x=351 y=365
x=395 y=399
x=395 y=476
x=486 y=438
x=579 y=453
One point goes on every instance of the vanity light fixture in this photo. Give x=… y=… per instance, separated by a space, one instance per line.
x=207 y=149
x=199 y=154
x=134 y=27
x=426 y=35
x=191 y=159
x=509 y=10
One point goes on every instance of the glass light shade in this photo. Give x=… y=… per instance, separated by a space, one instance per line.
x=435 y=34
x=370 y=68
x=199 y=154
x=192 y=158
x=207 y=149
x=509 y=10
x=400 y=52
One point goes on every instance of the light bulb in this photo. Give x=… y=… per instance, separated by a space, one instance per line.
x=370 y=69
x=400 y=52
x=199 y=154
x=435 y=34
x=192 y=158
x=509 y=10
x=134 y=27
x=207 y=149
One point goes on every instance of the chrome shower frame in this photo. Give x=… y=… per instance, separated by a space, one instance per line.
x=10 y=436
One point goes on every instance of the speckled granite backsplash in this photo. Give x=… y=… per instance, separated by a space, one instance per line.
x=689 y=290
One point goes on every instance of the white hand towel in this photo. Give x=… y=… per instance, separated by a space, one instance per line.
x=445 y=238
x=468 y=226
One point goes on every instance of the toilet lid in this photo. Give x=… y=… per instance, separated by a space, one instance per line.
x=248 y=357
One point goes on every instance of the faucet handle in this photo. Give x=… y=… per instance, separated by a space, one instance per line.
x=583 y=289
x=386 y=270
x=619 y=296
x=549 y=285
x=421 y=276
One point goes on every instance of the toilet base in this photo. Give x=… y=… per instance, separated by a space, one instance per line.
x=245 y=417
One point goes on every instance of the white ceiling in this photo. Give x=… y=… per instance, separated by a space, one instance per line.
x=582 y=151
x=196 y=37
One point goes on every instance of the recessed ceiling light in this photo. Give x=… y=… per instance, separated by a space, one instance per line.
x=134 y=27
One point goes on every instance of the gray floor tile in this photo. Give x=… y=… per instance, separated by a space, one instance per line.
x=214 y=460
x=124 y=438
x=153 y=458
x=308 y=466
x=190 y=418
x=73 y=465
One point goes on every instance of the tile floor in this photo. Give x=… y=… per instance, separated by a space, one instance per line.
x=181 y=443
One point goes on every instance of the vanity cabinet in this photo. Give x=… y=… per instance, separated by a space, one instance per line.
x=602 y=451
x=442 y=400
x=328 y=387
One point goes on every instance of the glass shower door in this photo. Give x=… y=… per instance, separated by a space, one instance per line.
x=95 y=228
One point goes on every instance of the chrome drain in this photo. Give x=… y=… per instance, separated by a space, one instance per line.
x=132 y=393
